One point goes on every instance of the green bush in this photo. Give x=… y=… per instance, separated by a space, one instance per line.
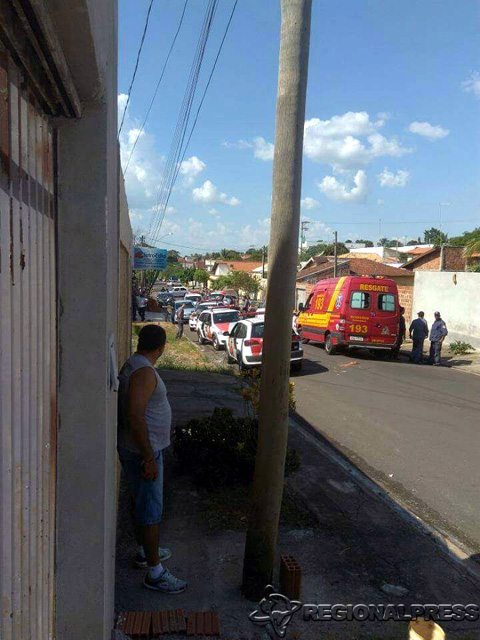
x=220 y=449
x=460 y=348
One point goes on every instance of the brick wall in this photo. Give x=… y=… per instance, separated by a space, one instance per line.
x=453 y=259
x=428 y=263
x=405 y=297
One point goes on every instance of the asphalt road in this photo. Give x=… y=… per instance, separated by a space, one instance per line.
x=414 y=429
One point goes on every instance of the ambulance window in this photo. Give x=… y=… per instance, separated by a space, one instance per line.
x=386 y=302
x=309 y=300
x=360 y=300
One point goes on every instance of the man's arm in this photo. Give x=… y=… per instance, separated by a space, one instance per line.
x=141 y=386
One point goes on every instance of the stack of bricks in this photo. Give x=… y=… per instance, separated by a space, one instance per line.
x=290 y=577
x=147 y=624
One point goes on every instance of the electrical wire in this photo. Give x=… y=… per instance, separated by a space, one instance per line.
x=169 y=172
x=136 y=64
x=183 y=153
x=157 y=87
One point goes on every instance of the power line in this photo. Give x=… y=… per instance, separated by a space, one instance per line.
x=136 y=64
x=157 y=87
x=177 y=168
x=168 y=175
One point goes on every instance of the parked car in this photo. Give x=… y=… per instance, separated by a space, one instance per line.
x=201 y=306
x=178 y=292
x=164 y=297
x=189 y=306
x=245 y=345
x=194 y=297
x=357 y=311
x=214 y=326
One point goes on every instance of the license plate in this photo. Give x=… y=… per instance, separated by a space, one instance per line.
x=356 y=338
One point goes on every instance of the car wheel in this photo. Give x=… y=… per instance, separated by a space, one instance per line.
x=200 y=339
x=216 y=344
x=296 y=366
x=329 y=346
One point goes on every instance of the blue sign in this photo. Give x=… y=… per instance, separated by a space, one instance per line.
x=149 y=258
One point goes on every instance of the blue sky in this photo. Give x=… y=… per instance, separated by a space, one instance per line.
x=392 y=120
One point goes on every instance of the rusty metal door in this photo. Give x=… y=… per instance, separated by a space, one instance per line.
x=27 y=361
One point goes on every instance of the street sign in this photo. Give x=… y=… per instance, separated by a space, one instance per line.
x=149 y=258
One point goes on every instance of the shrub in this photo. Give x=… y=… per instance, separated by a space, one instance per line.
x=220 y=449
x=250 y=391
x=460 y=348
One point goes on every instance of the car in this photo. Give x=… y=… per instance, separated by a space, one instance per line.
x=188 y=308
x=164 y=297
x=214 y=326
x=245 y=345
x=178 y=292
x=194 y=297
x=201 y=306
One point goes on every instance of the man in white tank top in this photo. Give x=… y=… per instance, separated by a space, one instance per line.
x=144 y=422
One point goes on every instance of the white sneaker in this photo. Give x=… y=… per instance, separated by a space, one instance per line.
x=166 y=583
x=141 y=561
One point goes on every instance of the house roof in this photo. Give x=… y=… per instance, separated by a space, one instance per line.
x=420 y=251
x=411 y=263
x=356 y=266
x=240 y=265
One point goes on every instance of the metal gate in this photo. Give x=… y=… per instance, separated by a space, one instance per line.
x=27 y=360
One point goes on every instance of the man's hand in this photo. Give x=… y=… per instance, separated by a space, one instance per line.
x=150 y=470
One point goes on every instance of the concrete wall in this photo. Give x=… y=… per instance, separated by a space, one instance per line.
x=125 y=278
x=456 y=296
x=88 y=265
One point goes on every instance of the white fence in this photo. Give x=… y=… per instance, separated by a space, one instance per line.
x=456 y=296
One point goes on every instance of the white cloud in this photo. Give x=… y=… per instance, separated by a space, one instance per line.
x=340 y=192
x=333 y=141
x=262 y=149
x=389 y=179
x=241 y=144
x=213 y=211
x=427 y=130
x=208 y=193
x=191 y=168
x=309 y=203
x=121 y=102
x=472 y=84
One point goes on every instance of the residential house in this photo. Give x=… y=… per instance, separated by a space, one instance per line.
x=224 y=268
x=442 y=258
x=65 y=279
x=307 y=278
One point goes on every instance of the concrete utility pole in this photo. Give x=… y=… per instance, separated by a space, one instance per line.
x=282 y=266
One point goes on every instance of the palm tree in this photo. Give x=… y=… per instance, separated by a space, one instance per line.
x=472 y=248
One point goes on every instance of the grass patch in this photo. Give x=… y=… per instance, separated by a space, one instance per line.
x=181 y=354
x=229 y=507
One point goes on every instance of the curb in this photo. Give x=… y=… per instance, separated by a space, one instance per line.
x=455 y=550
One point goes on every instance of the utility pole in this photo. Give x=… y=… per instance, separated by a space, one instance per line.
x=282 y=266
x=335 y=257
x=303 y=234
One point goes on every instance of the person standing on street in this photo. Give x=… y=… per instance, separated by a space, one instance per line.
x=402 y=331
x=418 y=332
x=437 y=336
x=170 y=311
x=144 y=423
x=142 y=306
x=180 y=320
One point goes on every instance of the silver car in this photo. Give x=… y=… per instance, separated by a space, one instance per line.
x=188 y=308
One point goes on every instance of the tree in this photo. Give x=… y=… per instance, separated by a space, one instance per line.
x=187 y=275
x=256 y=254
x=172 y=256
x=240 y=281
x=383 y=242
x=201 y=276
x=412 y=243
x=435 y=236
x=329 y=249
x=367 y=243
x=466 y=238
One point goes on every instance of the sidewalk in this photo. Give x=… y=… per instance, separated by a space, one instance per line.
x=356 y=549
x=469 y=363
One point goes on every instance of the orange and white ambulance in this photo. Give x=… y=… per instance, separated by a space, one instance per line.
x=351 y=311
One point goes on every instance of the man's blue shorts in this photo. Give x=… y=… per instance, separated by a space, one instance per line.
x=147 y=494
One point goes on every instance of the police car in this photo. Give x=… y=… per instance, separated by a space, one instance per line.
x=201 y=306
x=213 y=325
x=245 y=345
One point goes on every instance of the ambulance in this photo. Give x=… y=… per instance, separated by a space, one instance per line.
x=351 y=311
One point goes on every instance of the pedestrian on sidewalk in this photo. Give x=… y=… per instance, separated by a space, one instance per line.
x=418 y=332
x=180 y=321
x=437 y=336
x=402 y=331
x=144 y=423
x=170 y=311
x=142 y=302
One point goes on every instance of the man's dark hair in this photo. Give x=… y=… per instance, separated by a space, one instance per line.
x=151 y=337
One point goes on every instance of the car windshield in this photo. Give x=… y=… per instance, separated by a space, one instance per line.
x=187 y=304
x=257 y=330
x=228 y=316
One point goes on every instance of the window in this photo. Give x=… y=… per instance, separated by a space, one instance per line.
x=309 y=300
x=257 y=330
x=242 y=332
x=386 y=302
x=360 y=300
x=227 y=316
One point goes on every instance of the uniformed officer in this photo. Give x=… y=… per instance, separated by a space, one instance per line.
x=437 y=336
x=418 y=333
